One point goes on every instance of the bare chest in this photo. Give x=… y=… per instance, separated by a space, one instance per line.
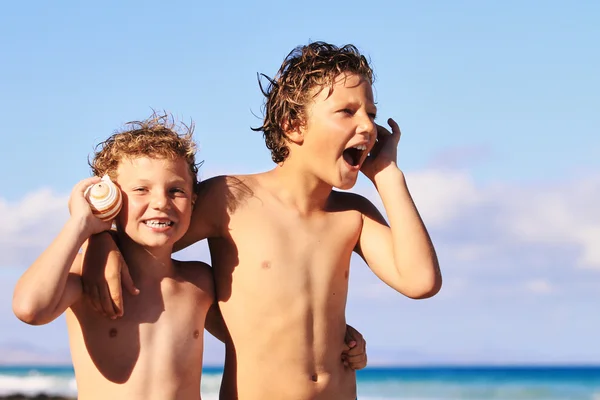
x=161 y=322
x=266 y=249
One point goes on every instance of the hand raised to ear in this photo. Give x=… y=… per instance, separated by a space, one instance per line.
x=384 y=153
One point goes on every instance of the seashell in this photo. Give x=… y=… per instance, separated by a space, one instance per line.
x=105 y=199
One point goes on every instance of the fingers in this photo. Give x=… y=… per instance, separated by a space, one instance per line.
x=114 y=295
x=356 y=358
x=358 y=361
x=85 y=183
x=395 y=128
x=127 y=281
x=107 y=305
x=79 y=188
x=351 y=336
x=94 y=299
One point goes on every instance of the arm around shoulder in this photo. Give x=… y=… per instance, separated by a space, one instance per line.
x=212 y=201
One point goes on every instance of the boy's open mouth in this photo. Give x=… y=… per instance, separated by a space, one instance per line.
x=353 y=155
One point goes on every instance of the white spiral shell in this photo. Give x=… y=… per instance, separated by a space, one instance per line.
x=105 y=199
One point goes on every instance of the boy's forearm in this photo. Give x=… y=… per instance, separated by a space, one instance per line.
x=214 y=323
x=414 y=254
x=40 y=289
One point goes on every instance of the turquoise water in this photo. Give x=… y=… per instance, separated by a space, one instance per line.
x=431 y=383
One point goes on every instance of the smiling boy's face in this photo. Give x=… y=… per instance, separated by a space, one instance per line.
x=157 y=200
x=339 y=131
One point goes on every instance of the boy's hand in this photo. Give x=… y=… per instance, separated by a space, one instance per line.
x=80 y=209
x=385 y=151
x=103 y=274
x=355 y=355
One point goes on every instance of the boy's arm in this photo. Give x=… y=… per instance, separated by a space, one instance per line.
x=214 y=323
x=105 y=271
x=403 y=255
x=47 y=288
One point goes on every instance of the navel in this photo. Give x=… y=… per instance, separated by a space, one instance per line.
x=113 y=332
x=314 y=377
x=266 y=265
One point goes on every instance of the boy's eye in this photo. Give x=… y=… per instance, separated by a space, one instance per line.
x=347 y=111
x=139 y=189
x=373 y=116
x=177 y=191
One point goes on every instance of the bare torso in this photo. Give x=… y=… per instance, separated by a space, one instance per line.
x=155 y=350
x=281 y=281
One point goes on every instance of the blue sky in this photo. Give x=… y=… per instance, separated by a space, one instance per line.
x=498 y=104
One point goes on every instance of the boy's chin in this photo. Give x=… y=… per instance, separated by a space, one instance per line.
x=345 y=185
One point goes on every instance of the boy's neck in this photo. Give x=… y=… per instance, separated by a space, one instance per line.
x=300 y=188
x=143 y=262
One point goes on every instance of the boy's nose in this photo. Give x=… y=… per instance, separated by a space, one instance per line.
x=159 y=201
x=368 y=128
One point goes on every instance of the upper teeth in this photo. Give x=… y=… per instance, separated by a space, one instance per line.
x=361 y=147
x=158 y=223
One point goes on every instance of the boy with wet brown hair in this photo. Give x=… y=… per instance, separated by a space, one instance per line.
x=281 y=240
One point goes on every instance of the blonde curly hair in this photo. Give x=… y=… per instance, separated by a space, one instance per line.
x=158 y=136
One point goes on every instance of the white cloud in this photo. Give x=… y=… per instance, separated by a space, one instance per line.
x=539 y=286
x=523 y=224
x=28 y=225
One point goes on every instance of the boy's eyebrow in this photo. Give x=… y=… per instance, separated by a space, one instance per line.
x=354 y=102
x=177 y=181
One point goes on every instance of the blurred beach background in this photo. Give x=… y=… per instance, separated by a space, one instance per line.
x=498 y=104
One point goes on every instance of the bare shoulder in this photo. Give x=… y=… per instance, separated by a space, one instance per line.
x=347 y=201
x=350 y=201
x=226 y=190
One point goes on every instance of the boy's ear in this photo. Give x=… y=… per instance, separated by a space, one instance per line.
x=293 y=131
x=194 y=197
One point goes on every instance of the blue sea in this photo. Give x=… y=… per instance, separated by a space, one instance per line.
x=408 y=383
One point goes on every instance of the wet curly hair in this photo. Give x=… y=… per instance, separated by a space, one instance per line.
x=158 y=136
x=287 y=94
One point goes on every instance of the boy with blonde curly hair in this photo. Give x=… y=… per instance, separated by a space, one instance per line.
x=155 y=351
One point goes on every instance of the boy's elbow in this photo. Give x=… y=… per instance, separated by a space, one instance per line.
x=27 y=312
x=425 y=287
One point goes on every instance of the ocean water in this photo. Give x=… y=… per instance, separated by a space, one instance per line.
x=430 y=383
